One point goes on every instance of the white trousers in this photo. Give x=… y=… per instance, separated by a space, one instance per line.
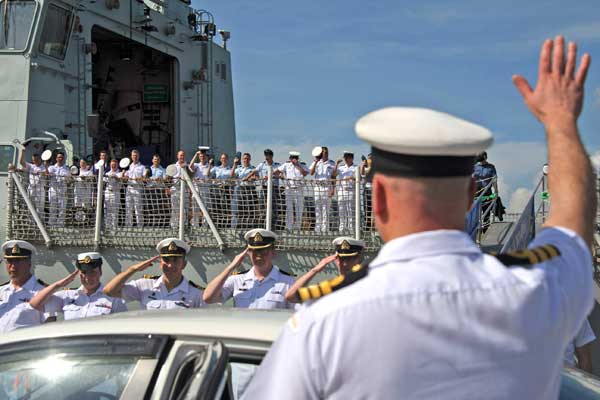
x=111 y=208
x=322 y=205
x=36 y=194
x=57 y=197
x=294 y=207
x=346 y=210
x=134 y=202
x=203 y=192
x=175 y=198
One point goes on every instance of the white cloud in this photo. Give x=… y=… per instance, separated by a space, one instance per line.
x=518 y=200
x=518 y=163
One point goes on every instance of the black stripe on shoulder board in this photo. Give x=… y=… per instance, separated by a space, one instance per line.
x=529 y=257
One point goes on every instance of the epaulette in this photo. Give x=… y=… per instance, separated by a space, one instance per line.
x=529 y=257
x=68 y=288
x=324 y=288
x=192 y=284
x=240 y=272
x=148 y=276
x=286 y=272
x=41 y=282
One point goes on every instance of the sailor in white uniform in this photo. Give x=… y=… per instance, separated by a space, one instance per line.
x=83 y=187
x=112 y=195
x=171 y=290
x=262 y=286
x=435 y=318
x=294 y=172
x=86 y=301
x=345 y=174
x=201 y=174
x=57 y=193
x=134 y=197
x=322 y=168
x=15 y=294
x=37 y=172
x=175 y=190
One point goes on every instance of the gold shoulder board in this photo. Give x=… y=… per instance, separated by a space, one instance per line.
x=193 y=284
x=326 y=287
x=529 y=257
x=148 y=276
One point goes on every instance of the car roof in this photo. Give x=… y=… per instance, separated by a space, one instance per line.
x=219 y=322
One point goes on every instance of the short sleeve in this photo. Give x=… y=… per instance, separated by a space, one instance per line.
x=131 y=291
x=55 y=302
x=118 y=305
x=281 y=168
x=228 y=288
x=585 y=335
x=569 y=274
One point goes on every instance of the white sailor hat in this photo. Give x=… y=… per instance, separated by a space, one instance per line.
x=17 y=249
x=203 y=149
x=348 y=153
x=89 y=260
x=260 y=238
x=172 y=247
x=348 y=247
x=418 y=142
x=316 y=151
x=294 y=154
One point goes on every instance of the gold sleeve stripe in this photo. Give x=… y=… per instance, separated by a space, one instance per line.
x=552 y=250
x=304 y=294
x=315 y=292
x=336 y=281
x=539 y=255
x=325 y=287
x=356 y=268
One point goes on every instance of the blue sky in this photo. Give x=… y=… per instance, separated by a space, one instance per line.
x=304 y=72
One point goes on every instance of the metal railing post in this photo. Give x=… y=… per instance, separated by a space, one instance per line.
x=10 y=205
x=31 y=208
x=269 y=198
x=181 y=204
x=357 y=203
x=99 y=207
x=207 y=217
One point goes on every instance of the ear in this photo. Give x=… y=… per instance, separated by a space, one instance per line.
x=379 y=200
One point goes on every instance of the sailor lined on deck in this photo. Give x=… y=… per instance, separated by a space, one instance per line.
x=262 y=172
x=175 y=190
x=171 y=290
x=201 y=171
x=112 y=195
x=348 y=257
x=86 y=301
x=57 y=192
x=345 y=174
x=134 y=201
x=322 y=168
x=23 y=285
x=244 y=202
x=436 y=316
x=262 y=286
x=294 y=172
x=37 y=179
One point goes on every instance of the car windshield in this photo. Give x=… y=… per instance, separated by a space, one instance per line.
x=16 y=18
x=84 y=368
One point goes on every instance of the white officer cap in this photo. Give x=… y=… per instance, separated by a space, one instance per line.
x=316 y=151
x=17 y=249
x=419 y=142
x=348 y=153
x=172 y=247
x=74 y=170
x=203 y=149
x=89 y=260
x=260 y=238
x=294 y=154
x=346 y=246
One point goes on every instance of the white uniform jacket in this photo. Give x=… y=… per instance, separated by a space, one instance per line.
x=15 y=311
x=249 y=292
x=437 y=319
x=152 y=293
x=74 y=303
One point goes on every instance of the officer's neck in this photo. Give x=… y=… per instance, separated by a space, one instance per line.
x=171 y=284
x=261 y=272
x=21 y=281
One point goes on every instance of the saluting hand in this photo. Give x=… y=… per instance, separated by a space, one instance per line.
x=67 y=280
x=144 y=264
x=323 y=263
x=237 y=260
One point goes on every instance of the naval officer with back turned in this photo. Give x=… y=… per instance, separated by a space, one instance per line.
x=435 y=317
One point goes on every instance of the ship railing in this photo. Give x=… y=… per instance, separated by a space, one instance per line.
x=306 y=214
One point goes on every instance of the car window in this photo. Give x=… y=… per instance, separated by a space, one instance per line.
x=577 y=385
x=80 y=368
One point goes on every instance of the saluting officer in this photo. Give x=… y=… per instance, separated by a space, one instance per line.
x=294 y=172
x=262 y=286
x=167 y=291
x=348 y=255
x=435 y=317
x=86 y=301
x=23 y=285
x=36 y=170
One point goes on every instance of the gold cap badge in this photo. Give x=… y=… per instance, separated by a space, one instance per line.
x=16 y=249
x=345 y=245
x=87 y=260
x=172 y=246
x=258 y=237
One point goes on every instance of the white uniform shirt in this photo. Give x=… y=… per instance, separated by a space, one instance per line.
x=221 y=172
x=437 y=319
x=584 y=336
x=112 y=181
x=135 y=173
x=323 y=170
x=157 y=175
x=176 y=184
x=15 y=311
x=201 y=171
x=345 y=175
x=241 y=172
x=249 y=292
x=58 y=176
x=292 y=175
x=153 y=294
x=263 y=171
x=35 y=173
x=74 y=303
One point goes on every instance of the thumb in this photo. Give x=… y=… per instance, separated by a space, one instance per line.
x=523 y=86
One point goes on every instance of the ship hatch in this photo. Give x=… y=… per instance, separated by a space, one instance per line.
x=133 y=97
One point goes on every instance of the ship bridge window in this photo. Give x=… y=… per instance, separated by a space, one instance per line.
x=7 y=156
x=16 y=18
x=55 y=35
